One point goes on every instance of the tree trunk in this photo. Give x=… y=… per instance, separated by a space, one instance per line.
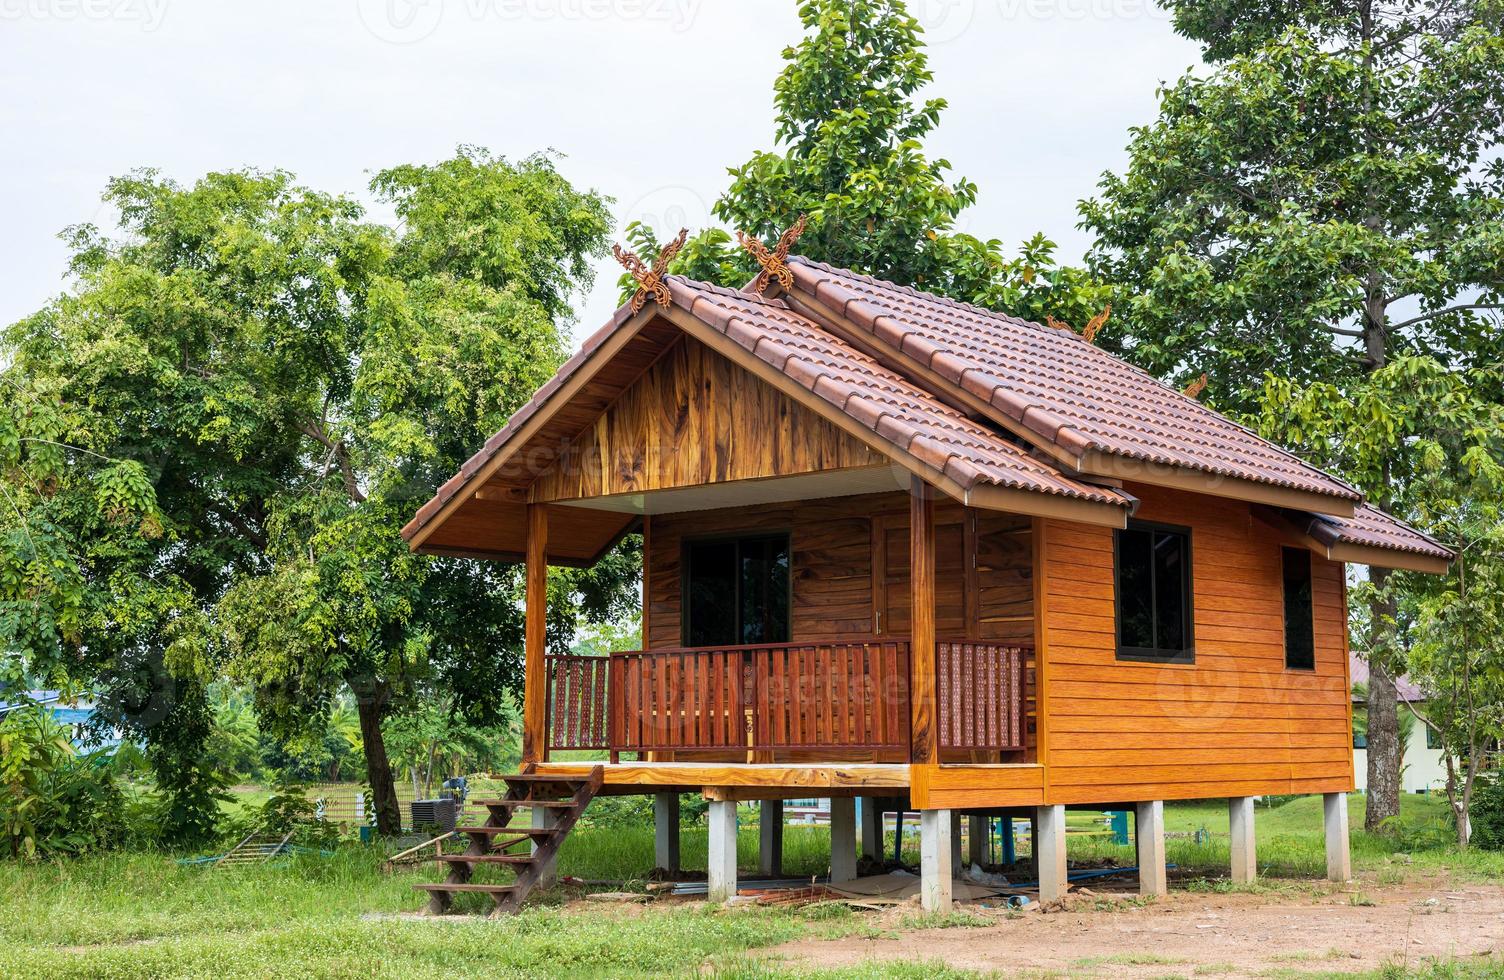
x=370 y=705
x=1384 y=751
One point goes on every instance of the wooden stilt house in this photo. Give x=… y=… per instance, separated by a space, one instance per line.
x=906 y=549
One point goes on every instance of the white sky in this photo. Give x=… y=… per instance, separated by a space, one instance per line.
x=651 y=101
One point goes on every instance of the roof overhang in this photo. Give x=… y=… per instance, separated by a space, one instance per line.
x=1313 y=533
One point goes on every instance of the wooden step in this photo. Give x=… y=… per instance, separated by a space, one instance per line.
x=498 y=831
x=531 y=804
x=485 y=858
x=538 y=777
x=470 y=886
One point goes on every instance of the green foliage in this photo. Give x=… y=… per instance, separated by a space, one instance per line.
x=1333 y=174
x=1487 y=813
x=850 y=131
x=52 y=801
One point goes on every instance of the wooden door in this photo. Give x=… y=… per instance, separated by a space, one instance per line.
x=891 y=597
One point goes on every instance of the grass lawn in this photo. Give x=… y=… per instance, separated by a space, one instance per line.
x=141 y=915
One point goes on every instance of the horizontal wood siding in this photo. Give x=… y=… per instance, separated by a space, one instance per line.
x=695 y=418
x=1236 y=722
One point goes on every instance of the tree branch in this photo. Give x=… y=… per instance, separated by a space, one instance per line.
x=1443 y=312
x=341 y=456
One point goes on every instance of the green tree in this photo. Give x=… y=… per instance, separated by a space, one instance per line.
x=1324 y=196
x=849 y=133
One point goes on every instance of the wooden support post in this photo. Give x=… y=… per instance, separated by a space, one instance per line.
x=1049 y=851
x=666 y=831
x=1240 y=823
x=976 y=840
x=534 y=679
x=544 y=818
x=721 y=877
x=1339 y=864
x=955 y=843
x=935 y=830
x=1149 y=829
x=842 y=839
x=770 y=838
x=923 y=734
x=872 y=828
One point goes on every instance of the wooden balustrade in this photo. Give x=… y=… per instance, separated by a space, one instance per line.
x=982 y=691
x=844 y=698
x=577 y=702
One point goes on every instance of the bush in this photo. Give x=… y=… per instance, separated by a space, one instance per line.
x=1487 y=813
x=53 y=802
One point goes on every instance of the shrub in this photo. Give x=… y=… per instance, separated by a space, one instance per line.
x=1487 y=813
x=52 y=801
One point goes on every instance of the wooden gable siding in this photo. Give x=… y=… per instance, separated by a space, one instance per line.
x=833 y=575
x=695 y=418
x=1234 y=723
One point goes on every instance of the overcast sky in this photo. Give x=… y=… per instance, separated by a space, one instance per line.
x=650 y=100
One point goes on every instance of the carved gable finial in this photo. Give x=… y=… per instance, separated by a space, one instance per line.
x=1095 y=325
x=650 y=281
x=774 y=261
x=1195 y=388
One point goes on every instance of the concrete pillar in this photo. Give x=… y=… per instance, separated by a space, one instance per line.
x=872 y=828
x=1049 y=851
x=976 y=840
x=1240 y=822
x=936 y=855
x=666 y=831
x=722 y=865
x=1149 y=829
x=544 y=818
x=842 y=839
x=1339 y=863
x=955 y=843
x=770 y=838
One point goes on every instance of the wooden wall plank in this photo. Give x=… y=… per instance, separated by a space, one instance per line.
x=1235 y=722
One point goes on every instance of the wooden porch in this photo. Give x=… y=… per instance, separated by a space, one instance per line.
x=835 y=702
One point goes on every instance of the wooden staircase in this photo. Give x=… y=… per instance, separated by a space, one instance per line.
x=491 y=843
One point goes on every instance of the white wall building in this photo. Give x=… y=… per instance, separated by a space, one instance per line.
x=1422 y=768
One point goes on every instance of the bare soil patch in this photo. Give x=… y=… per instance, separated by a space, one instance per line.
x=1337 y=930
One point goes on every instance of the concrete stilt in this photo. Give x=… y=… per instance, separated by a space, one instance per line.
x=1339 y=863
x=1049 y=851
x=666 y=831
x=544 y=818
x=1149 y=828
x=770 y=838
x=842 y=839
x=872 y=828
x=722 y=865
x=1240 y=822
x=936 y=855
x=976 y=840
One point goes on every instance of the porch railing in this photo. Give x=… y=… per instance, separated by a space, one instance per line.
x=982 y=689
x=840 y=697
x=577 y=702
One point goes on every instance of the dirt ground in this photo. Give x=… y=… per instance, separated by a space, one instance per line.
x=1232 y=935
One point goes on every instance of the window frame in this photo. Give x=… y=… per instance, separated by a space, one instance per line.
x=736 y=537
x=1153 y=655
x=1284 y=596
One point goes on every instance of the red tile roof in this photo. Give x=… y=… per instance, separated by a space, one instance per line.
x=1072 y=394
x=1373 y=528
x=902 y=414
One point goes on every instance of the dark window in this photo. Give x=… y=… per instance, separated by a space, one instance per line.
x=1154 y=594
x=1300 y=635
x=736 y=591
x=1433 y=739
